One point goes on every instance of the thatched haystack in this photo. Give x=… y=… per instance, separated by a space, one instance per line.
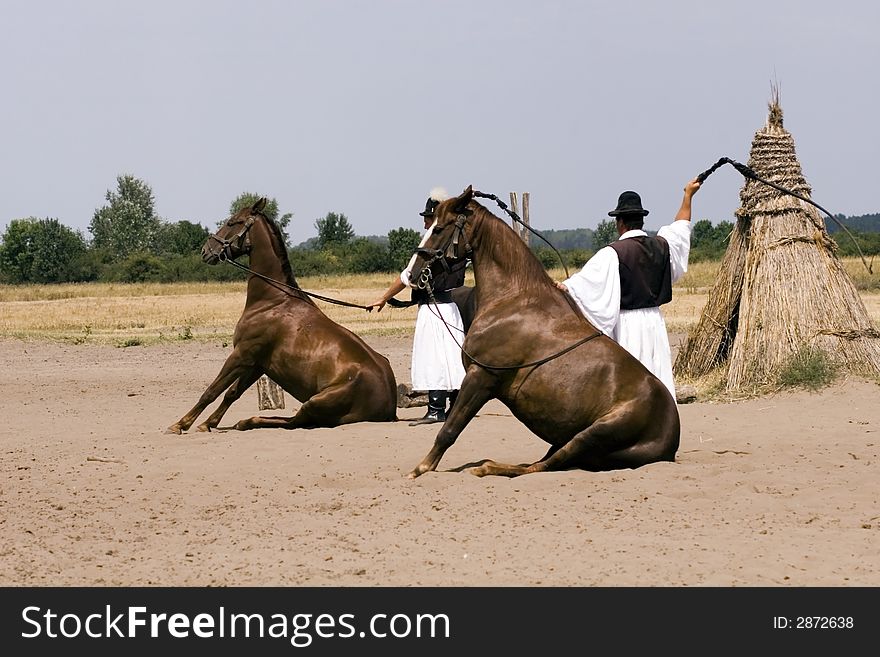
x=781 y=287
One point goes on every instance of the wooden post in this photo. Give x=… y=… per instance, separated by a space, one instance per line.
x=520 y=230
x=270 y=394
x=407 y=397
x=514 y=206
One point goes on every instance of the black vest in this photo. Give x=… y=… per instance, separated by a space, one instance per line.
x=442 y=282
x=645 y=272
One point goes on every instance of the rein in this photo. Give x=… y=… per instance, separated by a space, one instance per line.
x=278 y=284
x=224 y=256
x=749 y=173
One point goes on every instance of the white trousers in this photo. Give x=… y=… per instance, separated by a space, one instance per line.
x=642 y=332
x=436 y=354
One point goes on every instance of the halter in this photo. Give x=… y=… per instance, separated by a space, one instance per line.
x=224 y=254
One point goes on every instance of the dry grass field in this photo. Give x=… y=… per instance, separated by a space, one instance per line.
x=137 y=314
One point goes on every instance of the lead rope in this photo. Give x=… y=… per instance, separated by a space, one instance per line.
x=279 y=285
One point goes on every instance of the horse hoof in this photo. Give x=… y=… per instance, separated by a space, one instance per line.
x=417 y=472
x=174 y=429
x=203 y=428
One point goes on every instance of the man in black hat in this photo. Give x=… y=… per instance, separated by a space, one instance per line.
x=621 y=288
x=436 y=365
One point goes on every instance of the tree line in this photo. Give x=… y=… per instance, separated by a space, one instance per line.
x=130 y=243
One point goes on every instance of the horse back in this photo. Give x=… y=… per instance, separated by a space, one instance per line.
x=303 y=346
x=568 y=388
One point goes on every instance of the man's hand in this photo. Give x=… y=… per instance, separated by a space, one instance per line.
x=378 y=305
x=561 y=286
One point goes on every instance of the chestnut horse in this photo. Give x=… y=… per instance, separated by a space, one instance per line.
x=596 y=405
x=282 y=333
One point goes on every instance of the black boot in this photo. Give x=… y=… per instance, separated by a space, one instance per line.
x=452 y=395
x=436 y=408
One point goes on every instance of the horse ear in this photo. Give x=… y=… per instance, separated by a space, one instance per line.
x=461 y=201
x=259 y=205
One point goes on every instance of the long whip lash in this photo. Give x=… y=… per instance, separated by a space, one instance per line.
x=749 y=173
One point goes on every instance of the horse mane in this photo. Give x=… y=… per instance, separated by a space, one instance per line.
x=506 y=246
x=280 y=248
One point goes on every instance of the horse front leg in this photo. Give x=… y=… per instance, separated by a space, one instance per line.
x=476 y=389
x=232 y=395
x=232 y=369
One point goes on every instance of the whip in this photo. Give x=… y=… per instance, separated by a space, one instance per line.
x=750 y=174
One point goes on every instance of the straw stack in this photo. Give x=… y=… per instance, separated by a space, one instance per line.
x=781 y=286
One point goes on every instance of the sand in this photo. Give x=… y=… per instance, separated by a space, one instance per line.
x=776 y=491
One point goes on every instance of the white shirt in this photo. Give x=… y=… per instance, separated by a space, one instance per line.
x=596 y=290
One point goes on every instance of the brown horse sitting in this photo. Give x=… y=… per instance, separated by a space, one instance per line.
x=281 y=333
x=596 y=405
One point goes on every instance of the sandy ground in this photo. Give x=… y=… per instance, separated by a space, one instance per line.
x=778 y=491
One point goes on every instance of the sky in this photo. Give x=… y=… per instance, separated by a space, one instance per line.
x=362 y=107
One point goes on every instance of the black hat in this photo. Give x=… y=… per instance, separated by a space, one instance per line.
x=429 y=207
x=628 y=203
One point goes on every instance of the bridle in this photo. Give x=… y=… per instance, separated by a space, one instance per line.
x=225 y=253
x=449 y=252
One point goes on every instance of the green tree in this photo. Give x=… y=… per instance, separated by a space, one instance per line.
x=402 y=242
x=723 y=231
x=367 y=257
x=181 y=238
x=139 y=267
x=702 y=232
x=247 y=199
x=128 y=223
x=709 y=242
x=334 y=231
x=868 y=243
x=17 y=251
x=40 y=251
x=605 y=233
x=309 y=262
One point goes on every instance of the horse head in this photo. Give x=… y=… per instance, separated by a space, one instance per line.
x=232 y=240
x=448 y=241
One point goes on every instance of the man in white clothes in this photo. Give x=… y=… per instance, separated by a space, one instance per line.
x=436 y=365
x=621 y=288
